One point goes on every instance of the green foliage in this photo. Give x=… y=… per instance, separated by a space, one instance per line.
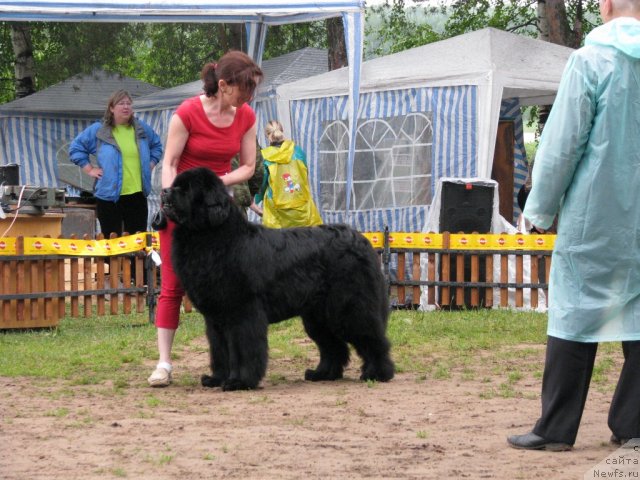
x=511 y=15
x=65 y=49
x=394 y=29
x=283 y=39
x=174 y=53
x=165 y=55
x=170 y=54
x=7 y=86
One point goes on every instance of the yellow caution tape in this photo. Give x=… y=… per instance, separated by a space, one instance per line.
x=421 y=241
x=501 y=242
x=463 y=241
x=94 y=248
x=7 y=246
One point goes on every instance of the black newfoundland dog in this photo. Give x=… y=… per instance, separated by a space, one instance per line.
x=243 y=276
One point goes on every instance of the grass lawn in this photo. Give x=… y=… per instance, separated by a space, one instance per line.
x=426 y=344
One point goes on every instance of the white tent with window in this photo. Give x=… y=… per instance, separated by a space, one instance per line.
x=424 y=113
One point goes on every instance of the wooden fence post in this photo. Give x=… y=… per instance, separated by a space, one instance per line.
x=534 y=279
x=488 y=294
x=415 y=297
x=401 y=277
x=114 y=274
x=504 y=278
x=20 y=281
x=475 y=277
x=431 y=276
x=459 y=278
x=445 y=267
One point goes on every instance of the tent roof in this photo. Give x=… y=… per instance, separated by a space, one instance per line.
x=282 y=69
x=529 y=69
x=80 y=95
x=270 y=12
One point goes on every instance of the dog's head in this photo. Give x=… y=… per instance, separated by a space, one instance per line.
x=197 y=200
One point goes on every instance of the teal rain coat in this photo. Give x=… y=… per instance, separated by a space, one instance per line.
x=587 y=169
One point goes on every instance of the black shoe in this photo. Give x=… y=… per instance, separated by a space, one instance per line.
x=531 y=441
x=618 y=440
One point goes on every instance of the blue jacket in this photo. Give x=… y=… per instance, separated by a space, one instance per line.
x=98 y=140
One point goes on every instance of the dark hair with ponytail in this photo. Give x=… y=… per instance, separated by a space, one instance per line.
x=235 y=68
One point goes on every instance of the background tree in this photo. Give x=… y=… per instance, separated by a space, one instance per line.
x=165 y=54
x=170 y=54
x=515 y=16
x=393 y=27
x=283 y=39
x=24 y=67
x=174 y=53
x=337 y=47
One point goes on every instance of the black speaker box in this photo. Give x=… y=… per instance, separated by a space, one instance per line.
x=467 y=208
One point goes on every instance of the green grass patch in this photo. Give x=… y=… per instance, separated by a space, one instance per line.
x=88 y=351
x=436 y=345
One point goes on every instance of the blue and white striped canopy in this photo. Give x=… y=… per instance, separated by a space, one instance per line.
x=271 y=12
x=256 y=15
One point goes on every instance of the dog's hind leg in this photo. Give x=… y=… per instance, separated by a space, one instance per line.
x=334 y=353
x=248 y=352
x=218 y=356
x=374 y=351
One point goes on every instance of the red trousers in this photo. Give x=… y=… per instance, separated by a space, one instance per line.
x=171 y=291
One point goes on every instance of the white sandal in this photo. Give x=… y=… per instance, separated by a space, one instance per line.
x=161 y=377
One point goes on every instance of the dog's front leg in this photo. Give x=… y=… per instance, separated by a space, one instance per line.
x=248 y=352
x=218 y=356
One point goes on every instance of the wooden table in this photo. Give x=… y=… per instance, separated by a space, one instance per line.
x=32 y=225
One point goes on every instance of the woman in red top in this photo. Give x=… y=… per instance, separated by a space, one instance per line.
x=205 y=131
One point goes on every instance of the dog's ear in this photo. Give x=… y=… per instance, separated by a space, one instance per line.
x=218 y=205
x=201 y=199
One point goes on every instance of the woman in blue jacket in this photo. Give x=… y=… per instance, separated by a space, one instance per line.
x=126 y=150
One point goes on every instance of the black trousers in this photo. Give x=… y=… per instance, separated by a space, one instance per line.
x=128 y=214
x=565 y=384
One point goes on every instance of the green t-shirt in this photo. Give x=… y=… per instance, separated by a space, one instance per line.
x=125 y=136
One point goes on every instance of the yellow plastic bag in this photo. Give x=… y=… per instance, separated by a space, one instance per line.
x=291 y=204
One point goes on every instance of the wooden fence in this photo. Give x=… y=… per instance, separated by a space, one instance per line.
x=39 y=289
x=465 y=270
x=45 y=279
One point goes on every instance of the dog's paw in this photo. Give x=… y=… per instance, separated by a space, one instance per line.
x=382 y=374
x=235 y=384
x=210 y=382
x=318 y=376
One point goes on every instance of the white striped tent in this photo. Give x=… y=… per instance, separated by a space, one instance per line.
x=255 y=15
x=423 y=114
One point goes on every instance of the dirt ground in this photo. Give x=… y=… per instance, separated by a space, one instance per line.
x=409 y=428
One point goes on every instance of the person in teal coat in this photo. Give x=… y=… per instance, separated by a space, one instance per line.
x=587 y=170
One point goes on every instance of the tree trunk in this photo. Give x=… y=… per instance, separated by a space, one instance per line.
x=543 y=34
x=230 y=36
x=560 y=31
x=25 y=71
x=337 y=46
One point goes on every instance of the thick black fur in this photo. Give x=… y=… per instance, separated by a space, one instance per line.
x=243 y=276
